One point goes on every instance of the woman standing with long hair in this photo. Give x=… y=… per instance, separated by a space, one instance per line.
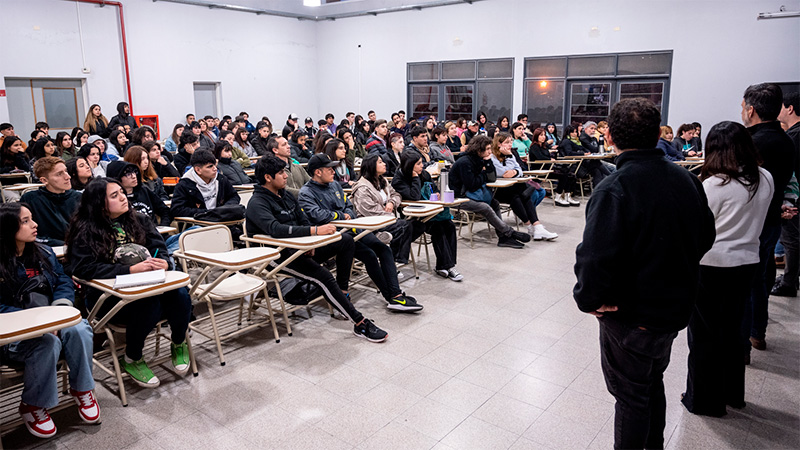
x=739 y=193
x=96 y=122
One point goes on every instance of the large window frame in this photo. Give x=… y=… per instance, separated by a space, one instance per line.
x=474 y=81
x=615 y=78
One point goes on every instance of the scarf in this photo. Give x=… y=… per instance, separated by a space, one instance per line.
x=207 y=190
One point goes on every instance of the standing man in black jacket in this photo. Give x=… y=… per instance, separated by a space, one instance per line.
x=275 y=212
x=760 y=108
x=787 y=284
x=636 y=274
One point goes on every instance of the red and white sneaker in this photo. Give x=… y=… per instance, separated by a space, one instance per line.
x=37 y=420
x=88 y=408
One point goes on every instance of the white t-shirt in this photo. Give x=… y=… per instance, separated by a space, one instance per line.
x=739 y=220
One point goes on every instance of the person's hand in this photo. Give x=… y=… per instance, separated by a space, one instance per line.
x=463 y=148
x=602 y=309
x=787 y=212
x=324 y=230
x=162 y=161
x=587 y=153
x=549 y=142
x=159 y=263
x=692 y=153
x=389 y=207
x=144 y=266
x=509 y=174
x=347 y=216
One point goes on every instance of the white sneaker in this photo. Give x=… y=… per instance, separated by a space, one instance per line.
x=541 y=233
x=384 y=236
x=561 y=199
x=572 y=201
x=450 y=273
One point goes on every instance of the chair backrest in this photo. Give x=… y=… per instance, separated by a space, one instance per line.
x=213 y=239
x=244 y=197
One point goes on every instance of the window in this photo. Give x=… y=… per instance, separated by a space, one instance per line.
x=651 y=91
x=60 y=107
x=545 y=101
x=645 y=64
x=589 y=101
x=594 y=66
x=453 y=89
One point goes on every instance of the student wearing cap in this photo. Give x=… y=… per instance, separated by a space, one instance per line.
x=291 y=125
x=310 y=129
x=323 y=201
x=473 y=128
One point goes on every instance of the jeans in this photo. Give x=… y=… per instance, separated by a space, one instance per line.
x=716 y=370
x=491 y=213
x=537 y=196
x=756 y=313
x=633 y=362
x=401 y=240
x=790 y=241
x=443 y=238
x=379 y=262
x=173 y=241
x=40 y=356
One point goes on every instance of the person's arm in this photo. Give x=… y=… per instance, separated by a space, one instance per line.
x=366 y=204
x=407 y=191
x=161 y=210
x=240 y=157
x=348 y=205
x=498 y=167
x=316 y=213
x=228 y=192
x=183 y=204
x=82 y=263
x=154 y=241
x=394 y=196
x=260 y=214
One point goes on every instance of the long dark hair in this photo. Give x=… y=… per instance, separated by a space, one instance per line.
x=175 y=136
x=407 y=162
x=59 y=147
x=38 y=148
x=330 y=149
x=91 y=224
x=731 y=155
x=6 y=158
x=369 y=170
x=32 y=255
x=72 y=170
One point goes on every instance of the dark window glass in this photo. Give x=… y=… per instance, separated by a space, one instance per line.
x=458 y=101
x=423 y=72
x=545 y=101
x=592 y=66
x=424 y=100
x=645 y=64
x=496 y=69
x=458 y=70
x=546 y=68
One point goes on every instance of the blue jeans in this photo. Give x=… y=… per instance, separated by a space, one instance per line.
x=40 y=356
x=756 y=313
x=537 y=196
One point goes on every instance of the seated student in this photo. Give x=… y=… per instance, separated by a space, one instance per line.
x=319 y=142
x=468 y=178
x=142 y=135
x=373 y=196
x=522 y=143
x=571 y=146
x=65 y=148
x=300 y=151
x=419 y=143
x=298 y=176
x=242 y=142
x=54 y=203
x=206 y=136
x=587 y=139
x=12 y=156
x=138 y=156
x=377 y=141
x=171 y=144
x=439 y=145
x=666 y=146
x=260 y=138
x=117 y=144
x=107 y=238
x=140 y=198
x=565 y=178
x=80 y=173
x=189 y=142
x=35 y=136
x=227 y=165
x=685 y=143
x=413 y=183
x=518 y=195
x=323 y=200
x=41 y=148
x=201 y=188
x=355 y=151
x=236 y=154
x=123 y=117
x=23 y=260
x=392 y=157
x=275 y=212
x=343 y=173
x=92 y=155
x=159 y=160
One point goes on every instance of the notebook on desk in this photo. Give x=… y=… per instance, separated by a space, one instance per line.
x=140 y=279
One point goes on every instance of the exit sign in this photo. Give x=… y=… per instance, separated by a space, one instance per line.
x=2 y=92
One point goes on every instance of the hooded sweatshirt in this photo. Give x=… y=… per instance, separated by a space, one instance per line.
x=141 y=199
x=189 y=200
x=122 y=119
x=52 y=213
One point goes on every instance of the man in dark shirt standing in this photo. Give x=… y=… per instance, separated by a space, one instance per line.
x=760 y=108
x=787 y=284
x=635 y=273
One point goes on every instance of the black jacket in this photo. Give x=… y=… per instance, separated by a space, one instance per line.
x=260 y=145
x=167 y=170
x=20 y=162
x=52 y=212
x=794 y=135
x=410 y=188
x=391 y=160
x=182 y=158
x=469 y=173
x=568 y=148
x=777 y=153
x=589 y=143
x=288 y=129
x=122 y=119
x=188 y=201
x=233 y=171
x=537 y=153
x=647 y=226
x=300 y=153
x=279 y=217
x=142 y=199
x=678 y=142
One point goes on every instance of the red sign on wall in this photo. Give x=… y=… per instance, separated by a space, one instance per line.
x=2 y=92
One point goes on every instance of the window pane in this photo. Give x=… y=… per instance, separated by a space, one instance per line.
x=591 y=66
x=458 y=101
x=61 y=111
x=495 y=98
x=458 y=70
x=545 y=101
x=424 y=100
x=423 y=72
x=590 y=101
x=652 y=63
x=651 y=91
x=546 y=68
x=496 y=69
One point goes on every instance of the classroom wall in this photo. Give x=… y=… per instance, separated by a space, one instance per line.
x=273 y=65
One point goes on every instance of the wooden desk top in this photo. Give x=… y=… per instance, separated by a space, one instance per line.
x=243 y=257
x=15 y=175
x=22 y=186
x=192 y=220
x=422 y=210
x=537 y=172
x=34 y=322
x=455 y=202
x=502 y=182
x=174 y=280
x=166 y=230
x=297 y=243
x=244 y=187
x=366 y=223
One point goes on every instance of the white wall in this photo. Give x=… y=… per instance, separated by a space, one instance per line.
x=719 y=47
x=273 y=66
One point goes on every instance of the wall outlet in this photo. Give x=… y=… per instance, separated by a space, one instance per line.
x=86 y=70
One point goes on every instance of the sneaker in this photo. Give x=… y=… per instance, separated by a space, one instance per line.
x=572 y=201
x=510 y=242
x=180 y=357
x=522 y=237
x=450 y=273
x=369 y=331
x=782 y=290
x=140 y=373
x=400 y=276
x=37 y=421
x=541 y=233
x=404 y=303
x=561 y=200
x=384 y=236
x=88 y=408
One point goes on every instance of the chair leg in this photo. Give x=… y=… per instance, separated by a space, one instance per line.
x=414 y=264
x=192 y=360
x=117 y=370
x=283 y=307
x=272 y=319
x=216 y=332
x=427 y=254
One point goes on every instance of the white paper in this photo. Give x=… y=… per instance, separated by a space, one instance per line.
x=140 y=279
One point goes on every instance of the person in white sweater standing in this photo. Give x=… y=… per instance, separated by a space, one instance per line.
x=739 y=193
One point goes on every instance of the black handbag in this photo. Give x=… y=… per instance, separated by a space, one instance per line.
x=34 y=292
x=224 y=213
x=296 y=291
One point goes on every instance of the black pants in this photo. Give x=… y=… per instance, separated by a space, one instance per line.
x=308 y=268
x=791 y=242
x=634 y=361
x=379 y=262
x=141 y=316
x=443 y=238
x=716 y=368
x=401 y=240
x=565 y=179
x=521 y=204
x=598 y=171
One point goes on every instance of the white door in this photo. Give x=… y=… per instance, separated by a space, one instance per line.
x=58 y=102
x=205 y=99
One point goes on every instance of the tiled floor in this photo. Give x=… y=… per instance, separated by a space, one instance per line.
x=501 y=360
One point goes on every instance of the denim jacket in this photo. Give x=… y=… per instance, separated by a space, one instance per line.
x=63 y=288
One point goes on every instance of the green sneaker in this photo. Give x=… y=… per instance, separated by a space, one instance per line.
x=140 y=373
x=180 y=357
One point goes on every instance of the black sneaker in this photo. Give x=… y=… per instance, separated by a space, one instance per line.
x=369 y=331
x=510 y=242
x=522 y=237
x=783 y=291
x=404 y=303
